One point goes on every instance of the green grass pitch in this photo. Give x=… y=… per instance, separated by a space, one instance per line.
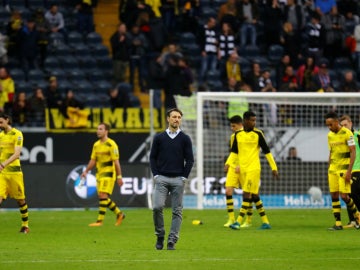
x=299 y=239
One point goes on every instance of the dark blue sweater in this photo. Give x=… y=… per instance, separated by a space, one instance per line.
x=171 y=157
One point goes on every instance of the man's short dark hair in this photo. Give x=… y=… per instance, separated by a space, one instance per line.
x=247 y=115
x=6 y=117
x=173 y=110
x=236 y=119
x=332 y=115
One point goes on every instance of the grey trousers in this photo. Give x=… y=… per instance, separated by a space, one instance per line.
x=175 y=187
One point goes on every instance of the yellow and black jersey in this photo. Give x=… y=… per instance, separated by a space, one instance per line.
x=8 y=142
x=338 y=144
x=104 y=153
x=246 y=147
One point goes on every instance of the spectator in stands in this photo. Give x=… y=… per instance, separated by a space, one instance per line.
x=53 y=96
x=281 y=67
x=322 y=80
x=227 y=13
x=209 y=47
x=292 y=154
x=248 y=14
x=84 y=16
x=349 y=9
x=43 y=28
x=272 y=18
x=155 y=32
x=178 y=79
x=127 y=12
x=20 y=110
x=3 y=49
x=118 y=99
x=227 y=43
x=232 y=69
x=305 y=73
x=289 y=81
x=56 y=20
x=252 y=78
x=294 y=13
x=191 y=12
x=120 y=46
x=169 y=11
x=169 y=55
x=334 y=24
x=138 y=47
x=155 y=7
x=265 y=83
x=38 y=105
x=315 y=34
x=357 y=48
x=155 y=79
x=28 y=40
x=323 y=7
x=349 y=83
x=12 y=31
x=7 y=84
x=291 y=41
x=70 y=101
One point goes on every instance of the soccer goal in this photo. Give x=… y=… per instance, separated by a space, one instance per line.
x=288 y=120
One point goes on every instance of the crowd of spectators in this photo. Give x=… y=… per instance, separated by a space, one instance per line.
x=177 y=47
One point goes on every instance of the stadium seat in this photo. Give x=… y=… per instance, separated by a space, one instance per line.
x=99 y=50
x=215 y=85
x=81 y=50
x=51 y=62
x=95 y=74
x=35 y=75
x=102 y=86
x=43 y=84
x=17 y=4
x=207 y=12
x=59 y=73
x=134 y=101
x=4 y=16
x=245 y=64
x=93 y=38
x=249 y=51
x=69 y=62
x=342 y=63
x=74 y=38
x=125 y=88
x=64 y=85
x=87 y=63
x=35 y=4
x=23 y=86
x=83 y=86
x=191 y=49
x=62 y=50
x=104 y=63
x=56 y=38
x=213 y=75
x=275 y=53
x=17 y=74
x=75 y=74
x=263 y=61
x=187 y=38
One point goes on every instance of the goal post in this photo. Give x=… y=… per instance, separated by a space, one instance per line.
x=288 y=120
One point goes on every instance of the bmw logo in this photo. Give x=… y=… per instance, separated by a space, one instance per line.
x=82 y=192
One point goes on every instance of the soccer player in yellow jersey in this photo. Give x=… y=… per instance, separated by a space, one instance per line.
x=232 y=177
x=246 y=152
x=341 y=159
x=11 y=176
x=105 y=155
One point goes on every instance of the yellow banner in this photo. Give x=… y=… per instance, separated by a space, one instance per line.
x=133 y=120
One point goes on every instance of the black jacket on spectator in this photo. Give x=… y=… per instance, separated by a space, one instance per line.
x=119 y=48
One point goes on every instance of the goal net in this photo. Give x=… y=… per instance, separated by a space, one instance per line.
x=288 y=120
